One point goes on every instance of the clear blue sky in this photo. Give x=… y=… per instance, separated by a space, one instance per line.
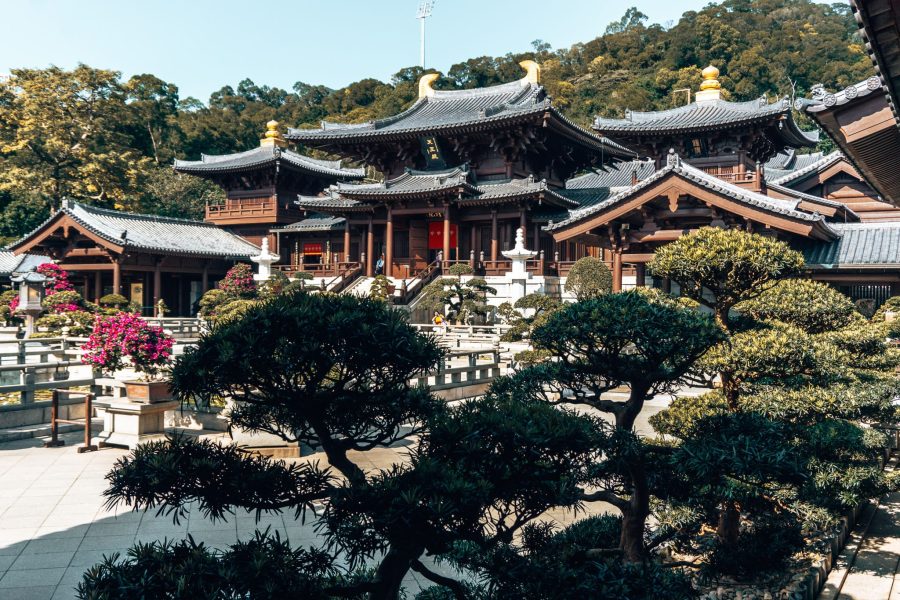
x=201 y=45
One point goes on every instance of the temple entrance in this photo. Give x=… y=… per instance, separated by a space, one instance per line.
x=418 y=245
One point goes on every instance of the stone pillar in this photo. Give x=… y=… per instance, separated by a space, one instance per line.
x=640 y=272
x=389 y=243
x=494 y=241
x=446 y=231
x=617 y=271
x=370 y=248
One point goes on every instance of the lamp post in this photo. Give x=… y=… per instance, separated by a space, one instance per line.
x=31 y=292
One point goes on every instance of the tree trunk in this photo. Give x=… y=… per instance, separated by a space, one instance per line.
x=390 y=573
x=729 y=522
x=634 y=517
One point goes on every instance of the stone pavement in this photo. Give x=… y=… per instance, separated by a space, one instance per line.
x=869 y=566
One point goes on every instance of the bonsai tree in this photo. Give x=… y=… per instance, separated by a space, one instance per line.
x=589 y=278
x=381 y=289
x=721 y=267
x=125 y=338
x=210 y=301
x=606 y=342
x=463 y=300
x=526 y=314
x=66 y=314
x=334 y=372
x=113 y=302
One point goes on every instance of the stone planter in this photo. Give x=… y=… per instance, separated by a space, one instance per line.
x=148 y=392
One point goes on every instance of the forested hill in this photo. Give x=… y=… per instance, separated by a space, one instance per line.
x=90 y=135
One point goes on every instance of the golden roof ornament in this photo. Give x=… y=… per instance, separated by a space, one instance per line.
x=710 y=89
x=273 y=136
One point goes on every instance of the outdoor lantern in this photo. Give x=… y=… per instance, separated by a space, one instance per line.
x=31 y=292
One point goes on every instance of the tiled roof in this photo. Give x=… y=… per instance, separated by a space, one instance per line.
x=412 y=182
x=618 y=176
x=859 y=244
x=706 y=115
x=809 y=197
x=19 y=263
x=675 y=165
x=332 y=201
x=315 y=223
x=445 y=111
x=515 y=188
x=266 y=155
x=152 y=233
x=815 y=163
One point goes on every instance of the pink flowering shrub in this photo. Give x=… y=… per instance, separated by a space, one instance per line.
x=127 y=336
x=14 y=304
x=238 y=282
x=57 y=279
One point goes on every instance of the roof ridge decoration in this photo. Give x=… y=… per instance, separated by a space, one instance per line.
x=710 y=89
x=822 y=99
x=532 y=77
x=272 y=136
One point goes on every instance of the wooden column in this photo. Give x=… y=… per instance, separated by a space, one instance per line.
x=389 y=243
x=493 y=236
x=667 y=285
x=617 y=271
x=204 y=280
x=98 y=286
x=87 y=288
x=640 y=272
x=523 y=223
x=537 y=238
x=370 y=248
x=446 y=231
x=347 y=240
x=117 y=277
x=157 y=283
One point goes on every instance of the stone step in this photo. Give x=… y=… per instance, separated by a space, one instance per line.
x=25 y=432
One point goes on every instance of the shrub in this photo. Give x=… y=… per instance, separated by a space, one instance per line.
x=234 y=310
x=62 y=302
x=589 y=278
x=892 y=304
x=57 y=279
x=381 y=288
x=211 y=301
x=127 y=336
x=274 y=285
x=76 y=323
x=117 y=301
x=238 y=282
x=460 y=269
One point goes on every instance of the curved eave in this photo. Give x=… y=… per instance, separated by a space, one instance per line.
x=389 y=194
x=543 y=196
x=200 y=169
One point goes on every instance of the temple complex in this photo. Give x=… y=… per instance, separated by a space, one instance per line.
x=459 y=172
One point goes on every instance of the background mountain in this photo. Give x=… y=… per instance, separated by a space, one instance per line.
x=89 y=135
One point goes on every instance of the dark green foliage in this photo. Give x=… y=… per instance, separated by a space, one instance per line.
x=589 y=278
x=763 y=548
x=460 y=269
x=185 y=470
x=554 y=564
x=347 y=367
x=812 y=306
x=464 y=300
x=114 y=301
x=529 y=312
x=211 y=300
x=275 y=285
x=264 y=568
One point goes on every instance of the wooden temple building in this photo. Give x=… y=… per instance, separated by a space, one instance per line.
x=141 y=257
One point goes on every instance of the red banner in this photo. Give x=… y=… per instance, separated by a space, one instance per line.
x=436 y=235
x=313 y=249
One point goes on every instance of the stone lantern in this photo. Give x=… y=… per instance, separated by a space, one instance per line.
x=519 y=275
x=31 y=292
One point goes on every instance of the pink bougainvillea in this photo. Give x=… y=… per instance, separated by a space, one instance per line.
x=14 y=304
x=238 y=282
x=57 y=279
x=127 y=336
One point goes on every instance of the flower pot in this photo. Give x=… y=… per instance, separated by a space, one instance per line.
x=148 y=392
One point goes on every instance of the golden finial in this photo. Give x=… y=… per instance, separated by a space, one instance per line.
x=710 y=89
x=425 y=82
x=273 y=135
x=532 y=72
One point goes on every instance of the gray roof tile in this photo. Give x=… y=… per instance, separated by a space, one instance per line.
x=266 y=155
x=859 y=244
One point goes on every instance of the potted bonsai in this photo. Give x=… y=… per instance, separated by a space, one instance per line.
x=123 y=338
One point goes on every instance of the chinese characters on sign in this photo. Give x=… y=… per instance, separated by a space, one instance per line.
x=432 y=152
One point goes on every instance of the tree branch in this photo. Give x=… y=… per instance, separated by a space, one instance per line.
x=458 y=589
x=605 y=496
